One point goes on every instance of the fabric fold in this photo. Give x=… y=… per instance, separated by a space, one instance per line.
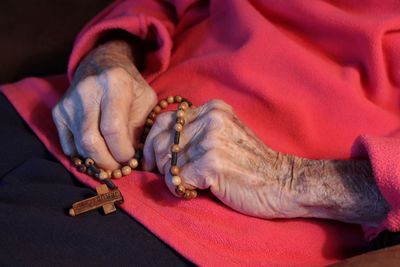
x=203 y=230
x=384 y=156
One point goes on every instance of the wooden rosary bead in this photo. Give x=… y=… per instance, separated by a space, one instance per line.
x=88 y=165
x=133 y=163
x=178 y=99
x=176 y=180
x=175 y=148
x=149 y=122
x=157 y=109
x=180 y=113
x=187 y=194
x=178 y=127
x=89 y=161
x=180 y=190
x=180 y=120
x=89 y=172
x=117 y=173
x=163 y=103
x=152 y=115
x=170 y=100
x=190 y=194
x=174 y=170
x=187 y=101
x=126 y=170
x=76 y=161
x=184 y=105
x=81 y=168
x=103 y=175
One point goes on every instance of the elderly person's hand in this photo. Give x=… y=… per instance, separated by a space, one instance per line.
x=220 y=153
x=102 y=113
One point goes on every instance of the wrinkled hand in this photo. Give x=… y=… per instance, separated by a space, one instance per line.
x=103 y=111
x=220 y=153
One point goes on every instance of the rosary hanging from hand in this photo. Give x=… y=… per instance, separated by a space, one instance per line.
x=108 y=194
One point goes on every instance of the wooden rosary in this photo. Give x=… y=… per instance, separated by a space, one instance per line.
x=108 y=194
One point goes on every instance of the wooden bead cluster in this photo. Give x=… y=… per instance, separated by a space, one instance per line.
x=177 y=180
x=89 y=167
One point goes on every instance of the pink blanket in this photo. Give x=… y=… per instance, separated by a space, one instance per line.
x=318 y=79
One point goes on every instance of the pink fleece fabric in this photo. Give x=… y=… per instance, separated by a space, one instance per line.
x=318 y=79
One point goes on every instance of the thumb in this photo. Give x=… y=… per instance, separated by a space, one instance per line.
x=114 y=123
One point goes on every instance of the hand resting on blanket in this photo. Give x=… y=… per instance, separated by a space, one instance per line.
x=107 y=103
x=102 y=113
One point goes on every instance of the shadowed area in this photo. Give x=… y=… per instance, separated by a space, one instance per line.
x=37 y=36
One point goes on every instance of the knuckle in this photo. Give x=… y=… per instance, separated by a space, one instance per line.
x=90 y=142
x=151 y=96
x=117 y=73
x=219 y=104
x=210 y=141
x=216 y=116
x=111 y=127
x=56 y=113
x=87 y=82
x=116 y=76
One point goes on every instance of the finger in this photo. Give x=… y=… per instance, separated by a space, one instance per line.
x=140 y=108
x=164 y=122
x=114 y=125
x=215 y=104
x=192 y=160
x=65 y=135
x=197 y=162
x=168 y=180
x=152 y=158
x=90 y=142
x=193 y=174
x=161 y=138
x=162 y=146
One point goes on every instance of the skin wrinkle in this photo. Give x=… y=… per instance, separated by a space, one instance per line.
x=337 y=199
x=107 y=82
x=259 y=170
x=343 y=190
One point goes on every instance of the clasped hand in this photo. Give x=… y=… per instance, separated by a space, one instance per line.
x=103 y=112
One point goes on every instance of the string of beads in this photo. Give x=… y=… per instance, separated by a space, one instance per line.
x=89 y=167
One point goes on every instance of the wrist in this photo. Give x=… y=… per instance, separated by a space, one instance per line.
x=110 y=55
x=343 y=190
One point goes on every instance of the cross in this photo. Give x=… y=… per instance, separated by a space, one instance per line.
x=104 y=198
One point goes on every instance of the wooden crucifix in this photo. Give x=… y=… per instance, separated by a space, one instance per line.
x=105 y=198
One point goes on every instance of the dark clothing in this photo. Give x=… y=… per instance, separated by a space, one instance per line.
x=35 y=194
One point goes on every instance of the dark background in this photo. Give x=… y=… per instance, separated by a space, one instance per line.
x=36 y=36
